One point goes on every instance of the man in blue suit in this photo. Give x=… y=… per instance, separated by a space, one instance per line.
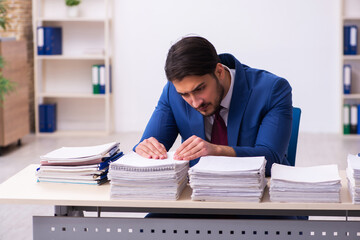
x=255 y=108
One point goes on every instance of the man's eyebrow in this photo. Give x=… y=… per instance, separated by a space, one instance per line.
x=195 y=89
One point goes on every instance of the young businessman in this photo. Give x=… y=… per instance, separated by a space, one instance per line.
x=219 y=107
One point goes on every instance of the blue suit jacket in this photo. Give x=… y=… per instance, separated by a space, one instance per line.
x=259 y=121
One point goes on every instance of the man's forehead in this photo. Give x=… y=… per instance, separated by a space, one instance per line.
x=190 y=83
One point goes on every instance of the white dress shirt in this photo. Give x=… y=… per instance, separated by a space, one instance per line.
x=225 y=104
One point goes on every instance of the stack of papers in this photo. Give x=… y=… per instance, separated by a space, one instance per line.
x=353 y=177
x=136 y=177
x=305 y=184
x=228 y=179
x=86 y=165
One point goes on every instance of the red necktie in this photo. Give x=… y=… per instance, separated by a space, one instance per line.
x=219 y=131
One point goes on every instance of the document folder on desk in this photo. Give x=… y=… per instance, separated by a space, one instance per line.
x=83 y=165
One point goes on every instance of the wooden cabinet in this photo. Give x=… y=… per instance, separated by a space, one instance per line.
x=14 y=112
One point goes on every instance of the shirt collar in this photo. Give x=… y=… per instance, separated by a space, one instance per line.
x=225 y=103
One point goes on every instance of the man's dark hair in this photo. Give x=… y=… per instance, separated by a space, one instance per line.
x=191 y=56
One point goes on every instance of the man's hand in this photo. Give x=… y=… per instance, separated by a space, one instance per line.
x=151 y=148
x=195 y=147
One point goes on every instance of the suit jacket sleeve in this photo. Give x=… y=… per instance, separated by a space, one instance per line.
x=274 y=132
x=162 y=124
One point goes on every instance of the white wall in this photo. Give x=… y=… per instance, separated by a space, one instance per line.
x=298 y=40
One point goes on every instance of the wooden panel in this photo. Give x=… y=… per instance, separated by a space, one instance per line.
x=14 y=113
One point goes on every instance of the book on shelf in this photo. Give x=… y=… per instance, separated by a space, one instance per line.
x=350 y=39
x=81 y=165
x=347 y=78
x=49 y=40
x=47 y=117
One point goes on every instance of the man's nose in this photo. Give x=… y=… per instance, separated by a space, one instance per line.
x=196 y=101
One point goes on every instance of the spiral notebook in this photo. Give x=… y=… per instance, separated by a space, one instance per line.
x=136 y=177
x=134 y=162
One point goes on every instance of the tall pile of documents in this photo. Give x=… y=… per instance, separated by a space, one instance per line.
x=353 y=177
x=318 y=184
x=228 y=179
x=85 y=165
x=136 y=177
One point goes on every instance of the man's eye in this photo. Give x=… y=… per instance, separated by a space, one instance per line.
x=199 y=89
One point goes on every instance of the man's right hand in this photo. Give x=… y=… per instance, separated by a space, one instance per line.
x=151 y=148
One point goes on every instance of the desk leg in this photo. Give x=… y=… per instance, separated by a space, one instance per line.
x=61 y=211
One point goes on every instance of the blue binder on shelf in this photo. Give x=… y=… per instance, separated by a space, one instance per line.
x=42 y=118
x=49 y=40
x=47 y=117
x=350 y=40
x=102 y=78
x=347 y=78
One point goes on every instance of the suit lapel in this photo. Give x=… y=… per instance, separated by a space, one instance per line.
x=239 y=101
x=196 y=122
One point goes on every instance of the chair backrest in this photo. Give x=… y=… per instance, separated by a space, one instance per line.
x=291 y=152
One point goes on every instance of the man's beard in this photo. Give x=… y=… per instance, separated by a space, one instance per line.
x=220 y=93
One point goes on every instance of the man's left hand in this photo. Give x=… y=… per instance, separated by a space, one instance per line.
x=195 y=147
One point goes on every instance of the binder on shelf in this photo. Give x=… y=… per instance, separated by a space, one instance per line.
x=358 y=112
x=98 y=78
x=353 y=119
x=347 y=78
x=350 y=40
x=49 y=40
x=42 y=118
x=95 y=79
x=346 y=118
x=102 y=78
x=47 y=117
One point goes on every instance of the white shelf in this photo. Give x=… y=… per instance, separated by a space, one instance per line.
x=350 y=15
x=69 y=57
x=351 y=57
x=66 y=79
x=77 y=19
x=64 y=133
x=351 y=96
x=72 y=95
x=351 y=18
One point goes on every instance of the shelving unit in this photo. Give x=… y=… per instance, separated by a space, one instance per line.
x=350 y=14
x=67 y=79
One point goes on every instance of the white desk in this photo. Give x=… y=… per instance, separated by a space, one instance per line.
x=70 y=198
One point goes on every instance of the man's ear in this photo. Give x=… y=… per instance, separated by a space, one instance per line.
x=220 y=71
